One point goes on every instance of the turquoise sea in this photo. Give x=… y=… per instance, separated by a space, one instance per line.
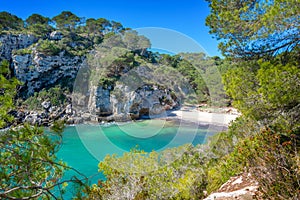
x=84 y=146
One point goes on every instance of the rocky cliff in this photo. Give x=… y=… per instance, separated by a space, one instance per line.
x=103 y=104
x=35 y=69
x=123 y=104
x=10 y=42
x=38 y=71
x=116 y=102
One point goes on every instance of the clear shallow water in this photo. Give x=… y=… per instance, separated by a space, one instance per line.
x=84 y=146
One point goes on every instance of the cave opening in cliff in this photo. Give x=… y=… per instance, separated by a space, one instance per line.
x=144 y=113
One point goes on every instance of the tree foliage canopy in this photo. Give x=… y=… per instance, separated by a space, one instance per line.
x=256 y=27
x=7 y=93
x=66 y=20
x=265 y=88
x=28 y=165
x=38 y=24
x=37 y=19
x=9 y=21
x=141 y=175
x=266 y=91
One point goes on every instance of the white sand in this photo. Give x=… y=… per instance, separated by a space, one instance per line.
x=194 y=115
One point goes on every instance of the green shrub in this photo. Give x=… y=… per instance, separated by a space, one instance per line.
x=271 y=157
x=22 y=51
x=40 y=30
x=276 y=164
x=49 y=48
x=106 y=82
x=148 y=176
x=55 y=95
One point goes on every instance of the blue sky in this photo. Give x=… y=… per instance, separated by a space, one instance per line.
x=184 y=16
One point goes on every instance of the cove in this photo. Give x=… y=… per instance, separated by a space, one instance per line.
x=84 y=146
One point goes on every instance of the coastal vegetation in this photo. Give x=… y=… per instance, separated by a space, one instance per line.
x=29 y=167
x=260 y=72
x=261 y=75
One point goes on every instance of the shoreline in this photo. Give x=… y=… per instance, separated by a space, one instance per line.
x=192 y=114
x=185 y=115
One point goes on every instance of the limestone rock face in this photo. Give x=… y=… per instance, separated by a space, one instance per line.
x=11 y=42
x=120 y=102
x=37 y=70
x=99 y=101
x=123 y=104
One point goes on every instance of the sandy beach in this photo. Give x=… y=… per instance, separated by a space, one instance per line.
x=192 y=114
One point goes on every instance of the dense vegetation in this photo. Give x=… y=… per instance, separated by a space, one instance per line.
x=35 y=171
x=120 y=48
x=55 y=95
x=264 y=84
x=260 y=72
x=79 y=34
x=29 y=167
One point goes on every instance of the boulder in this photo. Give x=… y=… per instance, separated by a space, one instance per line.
x=46 y=105
x=56 y=35
x=33 y=119
x=78 y=120
x=243 y=186
x=70 y=120
x=86 y=117
x=69 y=110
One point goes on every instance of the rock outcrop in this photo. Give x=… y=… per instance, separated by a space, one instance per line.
x=38 y=71
x=100 y=101
x=55 y=35
x=123 y=101
x=146 y=101
x=10 y=42
x=240 y=187
x=132 y=97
